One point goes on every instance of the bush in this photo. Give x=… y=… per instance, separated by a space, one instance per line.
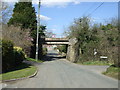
x=62 y=48
x=11 y=56
x=7 y=55
x=19 y=55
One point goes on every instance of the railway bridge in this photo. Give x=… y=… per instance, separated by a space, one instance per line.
x=61 y=41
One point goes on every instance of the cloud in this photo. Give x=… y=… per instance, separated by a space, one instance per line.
x=63 y=3
x=44 y=18
x=53 y=30
x=60 y=3
x=9 y=0
x=47 y=2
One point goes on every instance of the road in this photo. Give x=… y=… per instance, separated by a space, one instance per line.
x=57 y=72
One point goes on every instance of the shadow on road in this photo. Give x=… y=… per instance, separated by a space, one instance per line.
x=53 y=56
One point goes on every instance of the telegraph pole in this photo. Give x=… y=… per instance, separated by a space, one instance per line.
x=38 y=27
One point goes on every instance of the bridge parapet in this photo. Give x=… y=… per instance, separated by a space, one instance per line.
x=57 y=39
x=56 y=43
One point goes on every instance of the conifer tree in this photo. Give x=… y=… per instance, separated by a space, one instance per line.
x=24 y=15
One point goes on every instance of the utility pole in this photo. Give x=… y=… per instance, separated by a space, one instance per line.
x=38 y=27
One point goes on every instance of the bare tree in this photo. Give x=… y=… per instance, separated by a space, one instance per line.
x=19 y=37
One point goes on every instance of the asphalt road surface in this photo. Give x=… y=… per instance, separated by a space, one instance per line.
x=57 y=72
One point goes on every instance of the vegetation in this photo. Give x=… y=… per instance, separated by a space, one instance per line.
x=113 y=72
x=7 y=55
x=11 y=56
x=20 y=71
x=95 y=40
x=62 y=48
x=95 y=63
x=42 y=30
x=24 y=16
x=19 y=35
x=20 y=38
x=44 y=51
x=31 y=59
x=19 y=55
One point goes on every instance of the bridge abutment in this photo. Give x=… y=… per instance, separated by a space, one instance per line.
x=71 y=51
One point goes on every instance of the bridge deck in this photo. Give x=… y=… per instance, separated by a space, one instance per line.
x=56 y=43
x=56 y=39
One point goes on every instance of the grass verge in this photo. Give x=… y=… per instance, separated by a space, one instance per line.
x=113 y=72
x=31 y=59
x=24 y=70
x=95 y=63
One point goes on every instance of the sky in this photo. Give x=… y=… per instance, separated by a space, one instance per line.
x=58 y=16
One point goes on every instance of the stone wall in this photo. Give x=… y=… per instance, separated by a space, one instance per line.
x=71 y=56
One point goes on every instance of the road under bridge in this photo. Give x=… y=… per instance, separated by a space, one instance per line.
x=61 y=41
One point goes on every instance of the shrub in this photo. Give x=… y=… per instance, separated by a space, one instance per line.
x=62 y=48
x=11 y=56
x=7 y=55
x=19 y=55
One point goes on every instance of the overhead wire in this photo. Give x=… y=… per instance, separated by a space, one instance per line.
x=96 y=9
x=89 y=8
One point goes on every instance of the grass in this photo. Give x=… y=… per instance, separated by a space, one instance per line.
x=113 y=72
x=95 y=63
x=21 y=71
x=31 y=59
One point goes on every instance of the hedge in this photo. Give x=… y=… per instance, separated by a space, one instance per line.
x=7 y=55
x=11 y=56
